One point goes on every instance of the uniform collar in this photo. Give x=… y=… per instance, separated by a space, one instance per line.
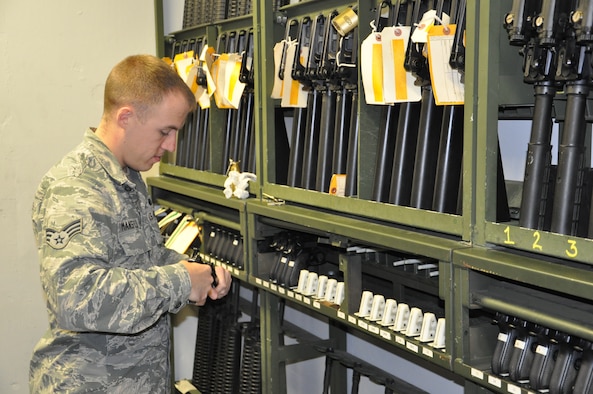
x=107 y=159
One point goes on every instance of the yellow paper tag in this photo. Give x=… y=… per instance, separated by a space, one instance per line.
x=398 y=83
x=183 y=63
x=337 y=185
x=371 y=65
x=293 y=93
x=234 y=87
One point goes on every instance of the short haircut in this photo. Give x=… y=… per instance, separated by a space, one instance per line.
x=142 y=81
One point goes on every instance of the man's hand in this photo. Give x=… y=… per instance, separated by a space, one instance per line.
x=202 y=280
x=224 y=284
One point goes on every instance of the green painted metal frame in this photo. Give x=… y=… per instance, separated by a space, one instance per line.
x=369 y=119
x=493 y=89
x=214 y=198
x=217 y=122
x=530 y=271
x=159 y=28
x=269 y=32
x=463 y=244
x=377 y=234
x=488 y=17
x=517 y=285
x=199 y=192
x=304 y=218
x=278 y=355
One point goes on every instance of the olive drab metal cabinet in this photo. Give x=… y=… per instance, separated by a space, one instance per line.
x=392 y=218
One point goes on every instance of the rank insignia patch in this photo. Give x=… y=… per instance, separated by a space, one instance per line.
x=58 y=239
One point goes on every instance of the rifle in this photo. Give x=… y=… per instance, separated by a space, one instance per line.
x=312 y=121
x=201 y=118
x=428 y=133
x=295 y=160
x=305 y=118
x=183 y=135
x=346 y=61
x=574 y=67
x=387 y=136
x=448 y=177
x=320 y=81
x=222 y=46
x=247 y=127
x=406 y=139
x=538 y=69
x=237 y=45
x=190 y=137
x=337 y=77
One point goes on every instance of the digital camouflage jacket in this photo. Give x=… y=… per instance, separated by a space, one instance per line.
x=109 y=281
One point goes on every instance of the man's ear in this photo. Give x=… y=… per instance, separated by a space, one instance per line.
x=123 y=116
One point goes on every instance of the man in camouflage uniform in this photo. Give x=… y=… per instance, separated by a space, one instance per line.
x=108 y=279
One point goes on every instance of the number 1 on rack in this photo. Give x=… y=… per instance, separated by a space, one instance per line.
x=508 y=241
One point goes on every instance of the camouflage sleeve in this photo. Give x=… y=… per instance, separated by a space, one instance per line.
x=169 y=256
x=94 y=279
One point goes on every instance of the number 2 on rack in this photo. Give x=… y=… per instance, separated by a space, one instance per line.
x=572 y=250
x=536 y=245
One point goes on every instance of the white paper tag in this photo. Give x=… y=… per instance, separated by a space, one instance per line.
x=398 y=83
x=446 y=81
x=278 y=83
x=293 y=94
x=420 y=33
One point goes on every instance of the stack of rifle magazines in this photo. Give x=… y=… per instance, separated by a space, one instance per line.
x=218 y=8
x=217 y=357
x=238 y=8
x=192 y=15
x=199 y=12
x=227 y=356
x=279 y=3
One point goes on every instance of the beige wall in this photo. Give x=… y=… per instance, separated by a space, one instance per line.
x=54 y=57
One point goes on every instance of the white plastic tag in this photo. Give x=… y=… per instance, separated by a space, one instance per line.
x=302 y=283
x=402 y=316
x=414 y=322
x=330 y=291
x=340 y=293
x=377 y=308
x=429 y=326
x=389 y=312
x=366 y=303
x=439 y=336
x=312 y=281
x=321 y=286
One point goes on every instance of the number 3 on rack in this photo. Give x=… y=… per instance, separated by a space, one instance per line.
x=572 y=250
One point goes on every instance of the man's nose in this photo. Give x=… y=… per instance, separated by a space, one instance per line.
x=170 y=142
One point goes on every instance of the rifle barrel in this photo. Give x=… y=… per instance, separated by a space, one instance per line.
x=569 y=179
x=538 y=161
